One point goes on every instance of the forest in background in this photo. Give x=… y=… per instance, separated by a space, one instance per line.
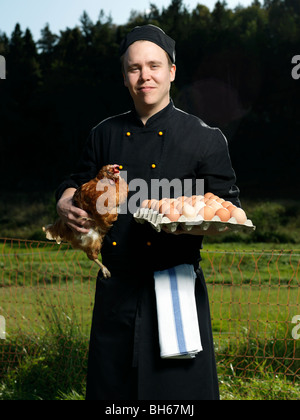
x=234 y=71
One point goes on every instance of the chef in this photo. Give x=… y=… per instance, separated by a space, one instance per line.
x=154 y=140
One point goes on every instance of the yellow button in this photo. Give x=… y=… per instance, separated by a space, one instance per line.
x=121 y=167
x=153 y=166
x=114 y=243
x=128 y=134
x=160 y=133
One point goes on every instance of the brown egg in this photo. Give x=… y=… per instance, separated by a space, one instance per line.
x=144 y=204
x=164 y=207
x=161 y=201
x=231 y=208
x=239 y=215
x=224 y=214
x=149 y=204
x=220 y=200
x=179 y=206
x=214 y=204
x=194 y=199
x=155 y=205
x=188 y=199
x=226 y=204
x=172 y=214
x=208 y=195
x=199 y=197
x=207 y=212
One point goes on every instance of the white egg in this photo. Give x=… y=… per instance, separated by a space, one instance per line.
x=189 y=211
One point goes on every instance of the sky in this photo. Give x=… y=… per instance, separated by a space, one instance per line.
x=60 y=14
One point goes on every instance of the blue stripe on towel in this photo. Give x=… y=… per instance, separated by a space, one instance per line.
x=177 y=311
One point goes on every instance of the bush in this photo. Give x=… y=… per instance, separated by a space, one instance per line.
x=273 y=222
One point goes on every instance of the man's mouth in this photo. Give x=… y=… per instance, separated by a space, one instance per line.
x=146 y=88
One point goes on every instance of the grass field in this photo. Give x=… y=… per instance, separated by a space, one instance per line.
x=47 y=294
x=47 y=298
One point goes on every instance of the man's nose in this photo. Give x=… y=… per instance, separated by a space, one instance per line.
x=145 y=74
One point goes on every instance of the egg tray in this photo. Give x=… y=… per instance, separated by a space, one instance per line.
x=158 y=220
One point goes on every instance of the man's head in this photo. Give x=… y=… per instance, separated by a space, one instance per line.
x=150 y=33
x=148 y=56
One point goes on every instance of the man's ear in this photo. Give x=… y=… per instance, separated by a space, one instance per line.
x=125 y=81
x=172 y=73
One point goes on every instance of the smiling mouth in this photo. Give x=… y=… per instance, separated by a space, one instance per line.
x=146 y=88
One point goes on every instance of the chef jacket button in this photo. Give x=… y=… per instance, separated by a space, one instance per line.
x=160 y=133
x=128 y=134
x=153 y=166
x=114 y=243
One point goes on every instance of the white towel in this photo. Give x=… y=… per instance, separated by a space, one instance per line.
x=178 y=326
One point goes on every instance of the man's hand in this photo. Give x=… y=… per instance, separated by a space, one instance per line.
x=196 y=230
x=74 y=217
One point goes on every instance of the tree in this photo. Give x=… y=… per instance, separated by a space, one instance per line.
x=61 y=86
x=48 y=40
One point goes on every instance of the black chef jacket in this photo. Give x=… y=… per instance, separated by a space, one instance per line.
x=124 y=360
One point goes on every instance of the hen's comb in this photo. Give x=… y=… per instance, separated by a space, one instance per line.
x=116 y=169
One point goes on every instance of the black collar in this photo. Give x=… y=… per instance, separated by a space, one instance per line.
x=156 y=118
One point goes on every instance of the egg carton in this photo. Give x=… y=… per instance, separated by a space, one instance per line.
x=158 y=220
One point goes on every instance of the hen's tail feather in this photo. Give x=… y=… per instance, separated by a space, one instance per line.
x=50 y=236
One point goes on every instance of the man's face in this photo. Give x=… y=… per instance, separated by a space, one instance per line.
x=148 y=75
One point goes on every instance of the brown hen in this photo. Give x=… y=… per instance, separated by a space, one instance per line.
x=101 y=198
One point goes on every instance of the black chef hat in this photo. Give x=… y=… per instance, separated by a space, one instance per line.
x=149 y=33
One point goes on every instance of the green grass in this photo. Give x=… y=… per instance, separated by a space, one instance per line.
x=51 y=364
x=256 y=389
x=47 y=295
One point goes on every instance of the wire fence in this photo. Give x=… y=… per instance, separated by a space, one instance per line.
x=47 y=296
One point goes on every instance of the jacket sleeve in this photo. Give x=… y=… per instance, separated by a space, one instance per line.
x=87 y=167
x=216 y=169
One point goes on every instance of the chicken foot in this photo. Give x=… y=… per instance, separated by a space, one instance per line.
x=104 y=270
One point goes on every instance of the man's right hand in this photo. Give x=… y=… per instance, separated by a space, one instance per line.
x=73 y=216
